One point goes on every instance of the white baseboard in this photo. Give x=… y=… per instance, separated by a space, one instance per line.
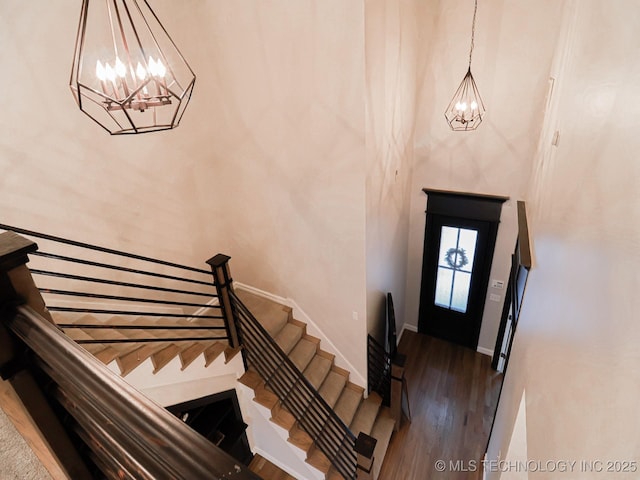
x=485 y=351
x=312 y=329
x=407 y=327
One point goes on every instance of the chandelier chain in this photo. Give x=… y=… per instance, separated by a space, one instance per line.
x=473 y=31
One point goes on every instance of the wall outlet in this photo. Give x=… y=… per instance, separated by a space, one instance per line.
x=494 y=298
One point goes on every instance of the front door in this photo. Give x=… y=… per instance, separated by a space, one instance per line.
x=456 y=264
x=460 y=236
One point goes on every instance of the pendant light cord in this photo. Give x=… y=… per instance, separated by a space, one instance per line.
x=473 y=31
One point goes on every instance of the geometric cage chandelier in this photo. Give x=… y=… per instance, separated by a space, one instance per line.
x=466 y=109
x=128 y=75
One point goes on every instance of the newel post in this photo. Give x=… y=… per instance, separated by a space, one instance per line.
x=16 y=282
x=365 y=446
x=18 y=288
x=223 y=283
x=397 y=384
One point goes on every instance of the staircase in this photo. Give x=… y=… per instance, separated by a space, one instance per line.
x=347 y=399
x=147 y=317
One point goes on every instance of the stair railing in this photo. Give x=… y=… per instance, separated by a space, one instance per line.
x=378 y=370
x=96 y=424
x=130 y=286
x=295 y=392
x=352 y=457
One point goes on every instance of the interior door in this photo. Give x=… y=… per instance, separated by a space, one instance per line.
x=455 y=275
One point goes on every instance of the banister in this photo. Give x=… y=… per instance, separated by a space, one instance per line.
x=98 y=248
x=148 y=273
x=135 y=295
x=125 y=430
x=105 y=281
x=222 y=280
x=161 y=442
x=328 y=431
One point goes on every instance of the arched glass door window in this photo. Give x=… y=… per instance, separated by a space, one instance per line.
x=455 y=267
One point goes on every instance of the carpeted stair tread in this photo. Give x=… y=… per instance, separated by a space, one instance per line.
x=265 y=397
x=251 y=379
x=267 y=470
x=213 y=352
x=317 y=370
x=271 y=315
x=348 y=404
x=129 y=361
x=230 y=352
x=300 y=438
x=319 y=460
x=163 y=357
x=288 y=337
x=283 y=417
x=188 y=355
x=382 y=431
x=332 y=387
x=366 y=415
x=302 y=353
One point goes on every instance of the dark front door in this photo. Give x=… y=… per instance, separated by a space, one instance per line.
x=460 y=236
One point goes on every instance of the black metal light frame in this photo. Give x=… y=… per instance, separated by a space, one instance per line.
x=128 y=75
x=466 y=108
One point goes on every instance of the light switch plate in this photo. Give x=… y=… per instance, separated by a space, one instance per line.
x=494 y=298
x=497 y=283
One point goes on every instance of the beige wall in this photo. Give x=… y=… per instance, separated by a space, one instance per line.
x=392 y=47
x=511 y=71
x=286 y=156
x=576 y=350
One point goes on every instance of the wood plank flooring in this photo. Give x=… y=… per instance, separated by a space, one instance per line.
x=453 y=393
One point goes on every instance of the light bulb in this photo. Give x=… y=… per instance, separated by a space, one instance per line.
x=463 y=106
x=153 y=68
x=474 y=105
x=120 y=68
x=141 y=72
x=459 y=107
x=110 y=72
x=100 y=71
x=160 y=68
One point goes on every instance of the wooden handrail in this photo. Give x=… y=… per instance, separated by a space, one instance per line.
x=136 y=432
x=524 y=243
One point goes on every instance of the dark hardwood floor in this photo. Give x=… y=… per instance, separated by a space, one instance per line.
x=453 y=393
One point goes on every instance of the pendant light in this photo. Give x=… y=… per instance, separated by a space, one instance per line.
x=128 y=75
x=465 y=111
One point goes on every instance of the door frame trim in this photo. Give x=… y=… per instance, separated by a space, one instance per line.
x=464 y=205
